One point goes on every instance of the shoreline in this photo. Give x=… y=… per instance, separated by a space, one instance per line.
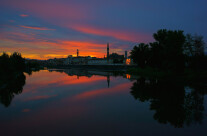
x=95 y=67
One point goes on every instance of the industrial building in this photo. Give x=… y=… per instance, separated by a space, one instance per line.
x=113 y=58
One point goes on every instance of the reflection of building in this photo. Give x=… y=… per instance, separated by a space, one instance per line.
x=78 y=73
x=89 y=73
x=108 y=80
x=128 y=76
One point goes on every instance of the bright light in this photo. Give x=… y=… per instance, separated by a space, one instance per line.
x=128 y=61
x=128 y=76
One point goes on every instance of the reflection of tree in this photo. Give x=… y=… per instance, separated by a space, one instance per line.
x=170 y=101
x=11 y=86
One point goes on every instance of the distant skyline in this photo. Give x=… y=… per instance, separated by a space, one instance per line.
x=43 y=29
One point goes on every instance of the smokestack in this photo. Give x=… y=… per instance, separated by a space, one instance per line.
x=77 y=52
x=108 y=52
x=125 y=54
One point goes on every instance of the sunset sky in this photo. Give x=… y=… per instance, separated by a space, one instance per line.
x=43 y=29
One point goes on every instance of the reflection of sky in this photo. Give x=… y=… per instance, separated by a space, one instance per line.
x=53 y=103
x=56 y=28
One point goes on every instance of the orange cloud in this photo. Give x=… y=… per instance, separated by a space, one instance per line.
x=85 y=48
x=24 y=15
x=36 y=28
x=35 y=47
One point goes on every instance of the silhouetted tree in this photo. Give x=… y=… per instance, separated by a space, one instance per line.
x=17 y=62
x=172 y=43
x=140 y=54
x=166 y=53
x=194 y=51
x=4 y=62
x=12 y=63
x=156 y=55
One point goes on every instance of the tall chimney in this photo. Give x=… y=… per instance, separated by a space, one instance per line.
x=77 y=52
x=125 y=54
x=107 y=52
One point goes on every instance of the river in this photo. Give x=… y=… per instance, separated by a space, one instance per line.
x=78 y=102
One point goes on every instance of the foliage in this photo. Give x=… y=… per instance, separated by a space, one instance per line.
x=140 y=54
x=171 y=44
x=194 y=51
x=171 y=51
x=194 y=45
x=12 y=63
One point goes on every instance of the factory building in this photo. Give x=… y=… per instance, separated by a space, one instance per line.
x=113 y=58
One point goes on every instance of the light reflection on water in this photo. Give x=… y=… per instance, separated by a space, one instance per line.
x=74 y=102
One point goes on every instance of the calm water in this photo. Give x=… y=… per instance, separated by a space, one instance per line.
x=70 y=102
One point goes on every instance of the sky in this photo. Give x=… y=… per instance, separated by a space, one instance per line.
x=43 y=29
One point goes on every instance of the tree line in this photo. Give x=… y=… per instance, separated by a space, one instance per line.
x=171 y=51
x=15 y=63
x=12 y=63
x=12 y=78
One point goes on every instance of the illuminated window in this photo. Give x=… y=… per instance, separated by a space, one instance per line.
x=128 y=61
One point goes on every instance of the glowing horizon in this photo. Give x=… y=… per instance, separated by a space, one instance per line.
x=57 y=28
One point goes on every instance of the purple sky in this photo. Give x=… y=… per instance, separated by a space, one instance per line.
x=45 y=29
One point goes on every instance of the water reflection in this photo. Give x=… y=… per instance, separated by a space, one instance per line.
x=86 y=73
x=71 y=95
x=172 y=101
x=10 y=86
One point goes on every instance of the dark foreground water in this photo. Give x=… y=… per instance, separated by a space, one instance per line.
x=70 y=102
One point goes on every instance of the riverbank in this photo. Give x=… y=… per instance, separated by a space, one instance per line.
x=189 y=76
x=114 y=67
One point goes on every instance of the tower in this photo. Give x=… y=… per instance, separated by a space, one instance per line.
x=107 y=52
x=77 y=52
x=125 y=54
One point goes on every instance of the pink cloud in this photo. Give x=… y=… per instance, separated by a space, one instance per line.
x=24 y=15
x=118 y=34
x=36 y=28
x=51 y=9
x=73 y=16
x=33 y=46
